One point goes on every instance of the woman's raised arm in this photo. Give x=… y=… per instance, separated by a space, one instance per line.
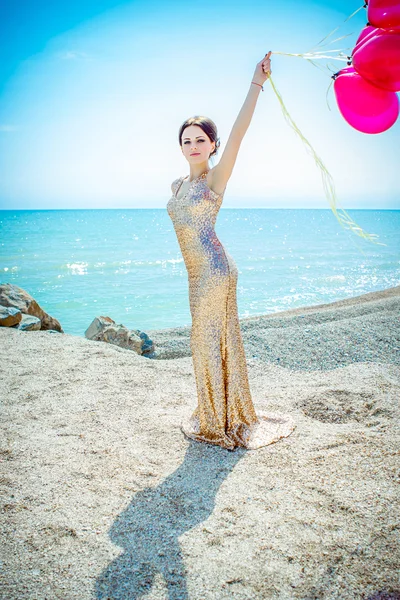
x=223 y=170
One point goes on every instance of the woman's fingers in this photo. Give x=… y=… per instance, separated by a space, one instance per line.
x=264 y=66
x=266 y=59
x=266 y=63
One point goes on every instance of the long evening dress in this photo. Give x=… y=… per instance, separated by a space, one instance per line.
x=225 y=414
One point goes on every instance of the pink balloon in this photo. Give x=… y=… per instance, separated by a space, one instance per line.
x=366 y=32
x=369 y=32
x=364 y=106
x=384 y=13
x=378 y=59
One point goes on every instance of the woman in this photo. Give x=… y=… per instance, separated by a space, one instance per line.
x=225 y=414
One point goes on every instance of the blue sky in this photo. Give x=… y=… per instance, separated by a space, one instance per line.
x=92 y=95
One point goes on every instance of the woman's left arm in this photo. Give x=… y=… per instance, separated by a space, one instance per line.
x=223 y=170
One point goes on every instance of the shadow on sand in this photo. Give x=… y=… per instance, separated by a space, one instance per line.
x=149 y=528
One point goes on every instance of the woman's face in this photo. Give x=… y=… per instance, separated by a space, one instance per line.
x=196 y=145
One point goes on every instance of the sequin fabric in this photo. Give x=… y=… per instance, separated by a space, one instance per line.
x=225 y=414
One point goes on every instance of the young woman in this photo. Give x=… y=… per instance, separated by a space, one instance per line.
x=225 y=414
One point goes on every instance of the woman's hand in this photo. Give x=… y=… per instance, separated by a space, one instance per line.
x=263 y=69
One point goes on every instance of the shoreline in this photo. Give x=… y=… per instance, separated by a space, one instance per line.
x=268 y=337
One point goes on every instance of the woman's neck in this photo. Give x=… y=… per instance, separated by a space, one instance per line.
x=198 y=170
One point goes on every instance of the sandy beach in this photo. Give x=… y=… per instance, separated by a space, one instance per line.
x=103 y=497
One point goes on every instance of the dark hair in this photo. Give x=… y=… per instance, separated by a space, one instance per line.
x=207 y=125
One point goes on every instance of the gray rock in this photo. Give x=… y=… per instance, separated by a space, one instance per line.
x=123 y=337
x=29 y=323
x=104 y=329
x=96 y=328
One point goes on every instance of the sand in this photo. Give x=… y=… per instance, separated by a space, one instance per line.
x=103 y=497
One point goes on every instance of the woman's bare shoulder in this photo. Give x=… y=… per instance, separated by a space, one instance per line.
x=175 y=183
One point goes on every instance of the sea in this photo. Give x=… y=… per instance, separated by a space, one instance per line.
x=126 y=264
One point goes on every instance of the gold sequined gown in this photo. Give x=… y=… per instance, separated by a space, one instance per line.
x=225 y=414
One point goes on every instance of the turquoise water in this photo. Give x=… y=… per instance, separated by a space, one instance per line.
x=126 y=263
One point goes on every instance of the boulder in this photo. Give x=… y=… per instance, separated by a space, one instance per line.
x=15 y=297
x=96 y=328
x=104 y=329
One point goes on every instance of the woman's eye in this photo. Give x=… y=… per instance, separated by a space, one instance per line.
x=197 y=140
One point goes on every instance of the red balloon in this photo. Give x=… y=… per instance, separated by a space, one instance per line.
x=378 y=59
x=384 y=13
x=364 y=106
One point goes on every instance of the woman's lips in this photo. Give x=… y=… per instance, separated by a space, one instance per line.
x=195 y=154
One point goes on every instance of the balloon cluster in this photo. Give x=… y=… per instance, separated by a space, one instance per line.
x=366 y=91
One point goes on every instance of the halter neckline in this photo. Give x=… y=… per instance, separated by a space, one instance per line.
x=198 y=177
